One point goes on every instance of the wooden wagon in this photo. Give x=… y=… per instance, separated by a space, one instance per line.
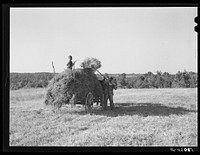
x=87 y=92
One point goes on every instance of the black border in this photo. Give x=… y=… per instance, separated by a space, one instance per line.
x=5 y=82
x=102 y=149
x=104 y=5
x=5 y=74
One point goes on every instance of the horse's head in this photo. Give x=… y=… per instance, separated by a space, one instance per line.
x=113 y=82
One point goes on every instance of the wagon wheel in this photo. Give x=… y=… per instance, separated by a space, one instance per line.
x=89 y=102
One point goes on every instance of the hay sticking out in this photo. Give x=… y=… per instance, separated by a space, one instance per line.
x=65 y=89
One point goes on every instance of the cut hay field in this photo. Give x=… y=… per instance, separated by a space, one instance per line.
x=142 y=117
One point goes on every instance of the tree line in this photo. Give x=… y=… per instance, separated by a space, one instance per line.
x=30 y=80
x=183 y=79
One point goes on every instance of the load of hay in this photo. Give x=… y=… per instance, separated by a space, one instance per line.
x=72 y=86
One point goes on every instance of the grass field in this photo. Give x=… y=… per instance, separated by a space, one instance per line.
x=142 y=117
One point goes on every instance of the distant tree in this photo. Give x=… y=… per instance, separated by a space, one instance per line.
x=167 y=81
x=130 y=82
x=151 y=79
x=122 y=80
x=159 y=73
x=159 y=80
x=178 y=76
x=150 y=74
x=142 y=77
x=192 y=82
x=139 y=81
x=193 y=79
x=44 y=83
x=184 y=79
x=145 y=83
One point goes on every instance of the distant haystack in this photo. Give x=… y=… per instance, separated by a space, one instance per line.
x=72 y=86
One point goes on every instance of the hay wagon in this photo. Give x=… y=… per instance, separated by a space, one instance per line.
x=80 y=86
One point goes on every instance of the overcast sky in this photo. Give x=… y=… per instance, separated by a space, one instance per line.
x=125 y=40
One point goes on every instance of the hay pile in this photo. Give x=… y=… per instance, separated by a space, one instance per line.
x=65 y=89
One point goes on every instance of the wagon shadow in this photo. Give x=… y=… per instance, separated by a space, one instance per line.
x=143 y=109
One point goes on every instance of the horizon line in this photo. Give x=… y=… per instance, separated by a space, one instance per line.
x=110 y=73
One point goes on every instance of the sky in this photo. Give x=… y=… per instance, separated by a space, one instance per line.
x=125 y=40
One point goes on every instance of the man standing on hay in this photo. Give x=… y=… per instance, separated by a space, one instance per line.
x=70 y=64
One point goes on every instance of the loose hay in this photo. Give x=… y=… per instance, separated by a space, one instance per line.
x=65 y=89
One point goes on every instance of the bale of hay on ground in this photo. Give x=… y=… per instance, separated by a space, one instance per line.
x=72 y=86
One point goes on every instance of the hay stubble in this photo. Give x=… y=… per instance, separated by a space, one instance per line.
x=142 y=117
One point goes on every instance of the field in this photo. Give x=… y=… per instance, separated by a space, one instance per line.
x=142 y=117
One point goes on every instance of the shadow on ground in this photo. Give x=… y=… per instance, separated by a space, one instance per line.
x=142 y=109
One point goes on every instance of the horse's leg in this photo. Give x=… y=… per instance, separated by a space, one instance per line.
x=105 y=101
x=111 y=101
